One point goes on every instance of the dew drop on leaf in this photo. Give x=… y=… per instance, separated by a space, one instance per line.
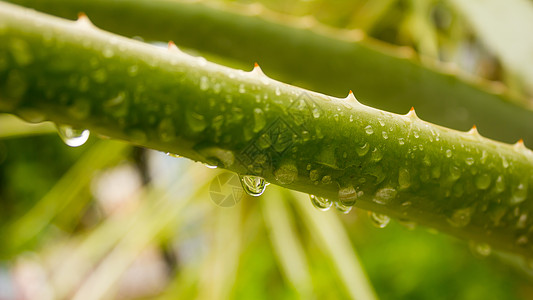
x=343 y=208
x=253 y=185
x=320 y=203
x=71 y=136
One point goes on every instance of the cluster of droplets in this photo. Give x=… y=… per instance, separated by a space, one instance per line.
x=71 y=136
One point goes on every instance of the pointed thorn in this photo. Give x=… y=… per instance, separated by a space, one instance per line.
x=351 y=99
x=412 y=114
x=257 y=70
x=84 y=20
x=473 y=130
x=520 y=144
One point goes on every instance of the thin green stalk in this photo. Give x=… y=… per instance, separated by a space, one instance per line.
x=458 y=182
x=324 y=59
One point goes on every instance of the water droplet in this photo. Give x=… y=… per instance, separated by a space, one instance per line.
x=253 y=185
x=133 y=70
x=404 y=178
x=521 y=223
x=469 y=161
x=415 y=133
x=73 y=137
x=362 y=150
x=519 y=193
x=259 y=119
x=278 y=91
x=342 y=208
x=379 y=220
x=460 y=217
x=480 y=250
x=210 y=166
x=166 y=130
x=347 y=195
x=242 y=90
x=316 y=112
x=320 y=203
x=385 y=135
x=100 y=75
x=401 y=141
x=385 y=195
x=173 y=155
x=448 y=153
x=483 y=181
x=313 y=175
x=195 y=121
x=455 y=173
x=376 y=156
x=20 y=51
x=204 y=83
x=369 y=130
x=381 y=122
x=326 y=179
x=505 y=163
x=499 y=184
x=286 y=173
x=108 y=53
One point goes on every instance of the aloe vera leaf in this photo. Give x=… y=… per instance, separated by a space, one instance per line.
x=328 y=60
x=458 y=182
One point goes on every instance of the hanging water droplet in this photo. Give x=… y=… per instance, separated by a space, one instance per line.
x=385 y=135
x=173 y=155
x=253 y=185
x=415 y=133
x=369 y=130
x=469 y=161
x=342 y=208
x=73 y=137
x=347 y=195
x=210 y=166
x=320 y=203
x=480 y=250
x=379 y=220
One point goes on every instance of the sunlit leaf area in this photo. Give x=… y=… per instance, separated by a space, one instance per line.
x=83 y=216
